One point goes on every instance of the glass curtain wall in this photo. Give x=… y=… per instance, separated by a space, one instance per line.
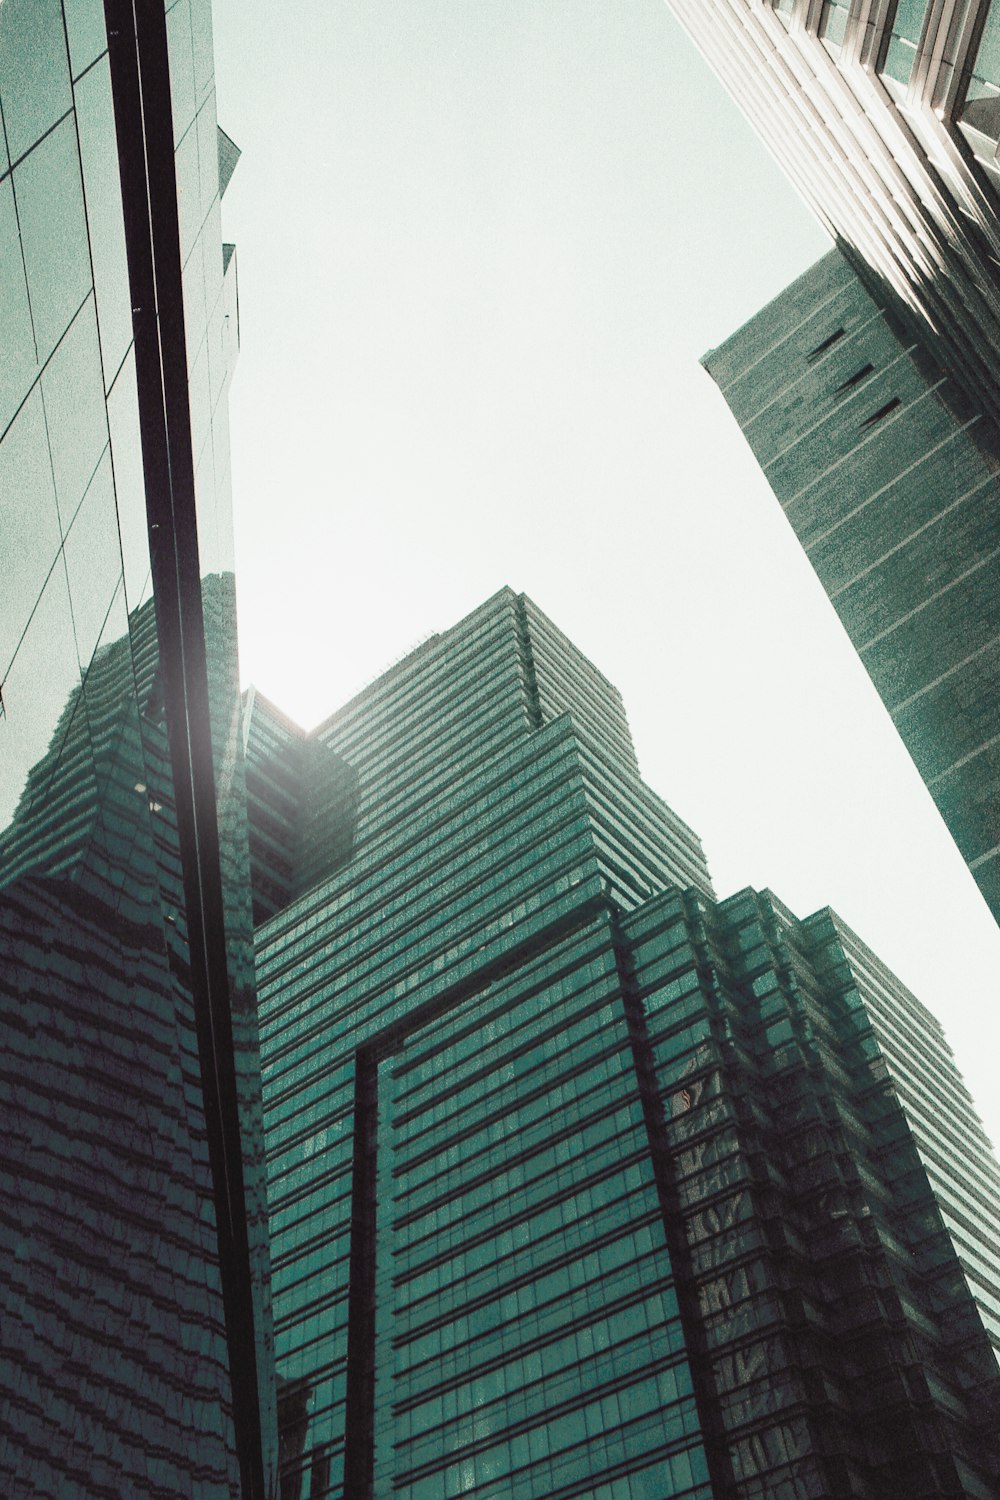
x=119 y=1335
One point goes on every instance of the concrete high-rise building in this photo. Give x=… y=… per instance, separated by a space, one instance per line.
x=880 y=465
x=886 y=116
x=581 y=1182
x=879 y=434
x=137 y=1355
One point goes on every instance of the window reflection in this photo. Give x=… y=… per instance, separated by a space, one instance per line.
x=18 y=364
x=130 y=487
x=182 y=85
x=53 y=226
x=100 y=1035
x=65 y=742
x=35 y=689
x=93 y=561
x=96 y=126
x=75 y=414
x=833 y=24
x=981 y=110
x=34 y=71
x=31 y=535
x=85 y=31
x=903 y=39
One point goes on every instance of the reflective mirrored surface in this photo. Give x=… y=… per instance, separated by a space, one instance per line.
x=103 y=1090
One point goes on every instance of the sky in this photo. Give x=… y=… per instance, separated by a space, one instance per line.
x=482 y=245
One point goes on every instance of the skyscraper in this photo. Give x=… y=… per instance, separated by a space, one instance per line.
x=580 y=1182
x=881 y=466
x=886 y=116
x=136 y=1345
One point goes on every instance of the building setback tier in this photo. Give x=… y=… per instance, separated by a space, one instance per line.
x=580 y=1182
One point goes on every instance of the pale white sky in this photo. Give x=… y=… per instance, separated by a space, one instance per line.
x=481 y=247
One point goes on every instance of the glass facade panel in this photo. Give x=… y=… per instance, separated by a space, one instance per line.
x=182 y=89
x=85 y=29
x=75 y=413
x=37 y=688
x=189 y=198
x=130 y=486
x=96 y=126
x=502 y=1268
x=201 y=416
x=208 y=155
x=201 y=48
x=119 y=1014
x=18 y=366
x=34 y=71
x=32 y=536
x=56 y=254
x=93 y=561
x=193 y=276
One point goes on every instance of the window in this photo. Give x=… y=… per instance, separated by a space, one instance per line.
x=833 y=24
x=853 y=380
x=903 y=39
x=822 y=347
x=981 y=110
x=882 y=413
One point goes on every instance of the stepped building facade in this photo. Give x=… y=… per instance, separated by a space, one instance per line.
x=580 y=1181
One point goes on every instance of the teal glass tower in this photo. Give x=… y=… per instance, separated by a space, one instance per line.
x=580 y=1182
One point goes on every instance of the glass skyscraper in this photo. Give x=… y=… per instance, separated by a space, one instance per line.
x=136 y=1353
x=581 y=1182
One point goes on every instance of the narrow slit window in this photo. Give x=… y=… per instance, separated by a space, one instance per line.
x=821 y=349
x=855 y=379
x=882 y=413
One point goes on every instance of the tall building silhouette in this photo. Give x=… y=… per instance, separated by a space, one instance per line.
x=581 y=1182
x=137 y=1356
x=891 y=482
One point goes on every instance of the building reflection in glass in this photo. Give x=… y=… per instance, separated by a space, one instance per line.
x=112 y=1306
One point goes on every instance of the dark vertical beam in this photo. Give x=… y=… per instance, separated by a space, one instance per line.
x=528 y=658
x=140 y=80
x=359 y=1421
x=705 y=1395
